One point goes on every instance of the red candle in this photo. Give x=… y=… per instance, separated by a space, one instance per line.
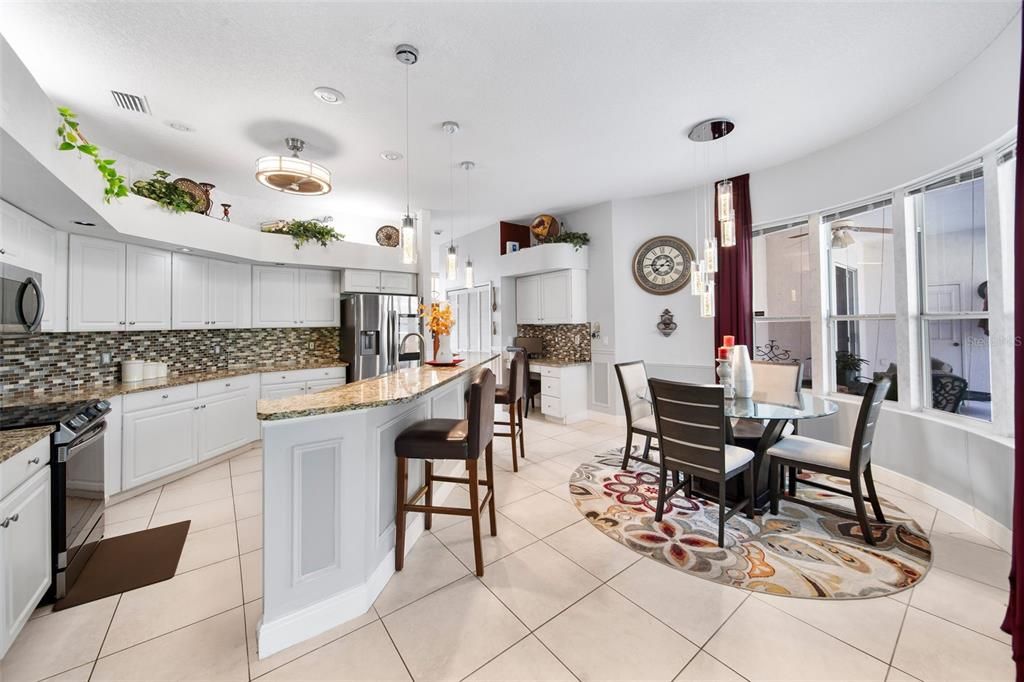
x=728 y=341
x=723 y=353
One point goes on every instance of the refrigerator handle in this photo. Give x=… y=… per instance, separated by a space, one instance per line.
x=393 y=331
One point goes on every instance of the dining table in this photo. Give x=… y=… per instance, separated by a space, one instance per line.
x=774 y=409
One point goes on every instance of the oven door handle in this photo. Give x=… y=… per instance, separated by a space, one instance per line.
x=67 y=452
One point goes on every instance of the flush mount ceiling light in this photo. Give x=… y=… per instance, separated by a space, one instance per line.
x=180 y=127
x=329 y=95
x=392 y=156
x=292 y=175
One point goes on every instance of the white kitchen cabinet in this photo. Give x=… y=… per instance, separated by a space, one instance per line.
x=96 y=285
x=283 y=390
x=275 y=385
x=320 y=302
x=403 y=283
x=563 y=392
x=361 y=281
x=25 y=553
x=159 y=441
x=147 y=288
x=295 y=297
x=558 y=297
x=323 y=385
x=275 y=296
x=210 y=293
x=33 y=245
x=227 y=421
x=13 y=234
x=112 y=461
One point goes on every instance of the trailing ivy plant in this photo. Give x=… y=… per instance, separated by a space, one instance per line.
x=167 y=194
x=303 y=231
x=577 y=239
x=72 y=139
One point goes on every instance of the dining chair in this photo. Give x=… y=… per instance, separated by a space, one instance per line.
x=823 y=457
x=691 y=435
x=770 y=378
x=639 y=414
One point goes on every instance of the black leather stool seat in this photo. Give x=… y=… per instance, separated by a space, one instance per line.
x=502 y=395
x=435 y=439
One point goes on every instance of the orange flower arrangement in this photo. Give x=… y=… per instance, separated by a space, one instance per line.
x=439 y=318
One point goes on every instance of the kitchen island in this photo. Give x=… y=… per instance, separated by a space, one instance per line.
x=329 y=494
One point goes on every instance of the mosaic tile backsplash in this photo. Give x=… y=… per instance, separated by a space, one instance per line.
x=561 y=341
x=56 y=362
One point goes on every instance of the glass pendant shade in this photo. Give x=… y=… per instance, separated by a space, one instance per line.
x=725 y=211
x=408 y=240
x=292 y=175
x=453 y=262
x=707 y=300
x=469 y=274
x=728 y=230
x=711 y=254
x=696 y=279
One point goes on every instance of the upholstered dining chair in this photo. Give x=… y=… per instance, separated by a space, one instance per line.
x=773 y=378
x=639 y=413
x=850 y=463
x=691 y=437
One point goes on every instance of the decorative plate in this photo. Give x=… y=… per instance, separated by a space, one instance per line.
x=388 y=235
x=662 y=265
x=455 y=361
x=193 y=188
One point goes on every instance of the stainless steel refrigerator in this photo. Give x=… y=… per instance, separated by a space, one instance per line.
x=372 y=327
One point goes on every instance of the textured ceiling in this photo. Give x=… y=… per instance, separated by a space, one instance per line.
x=561 y=105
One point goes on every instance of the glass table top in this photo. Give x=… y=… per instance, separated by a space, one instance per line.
x=763 y=405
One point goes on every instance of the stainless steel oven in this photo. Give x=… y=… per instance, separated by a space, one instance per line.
x=21 y=300
x=78 y=501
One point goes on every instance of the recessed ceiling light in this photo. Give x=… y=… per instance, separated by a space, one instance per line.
x=329 y=95
x=83 y=223
x=181 y=127
x=185 y=250
x=391 y=156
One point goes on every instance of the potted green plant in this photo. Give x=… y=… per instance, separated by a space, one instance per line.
x=73 y=139
x=167 y=194
x=848 y=368
x=302 y=231
x=577 y=239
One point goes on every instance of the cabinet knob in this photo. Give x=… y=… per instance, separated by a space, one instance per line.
x=132 y=322
x=2 y=252
x=203 y=406
x=121 y=322
x=6 y=522
x=34 y=460
x=195 y=407
x=164 y=396
x=227 y=385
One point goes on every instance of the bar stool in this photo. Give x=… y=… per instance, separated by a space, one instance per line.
x=452 y=439
x=514 y=395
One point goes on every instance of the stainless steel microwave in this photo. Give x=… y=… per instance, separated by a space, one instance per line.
x=21 y=300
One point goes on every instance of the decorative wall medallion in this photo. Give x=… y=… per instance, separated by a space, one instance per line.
x=545 y=227
x=662 y=265
x=666 y=323
x=388 y=235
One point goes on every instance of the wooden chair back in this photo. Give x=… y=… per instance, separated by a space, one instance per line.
x=480 y=413
x=864 y=434
x=691 y=425
x=518 y=373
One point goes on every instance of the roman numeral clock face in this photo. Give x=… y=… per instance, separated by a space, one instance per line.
x=662 y=265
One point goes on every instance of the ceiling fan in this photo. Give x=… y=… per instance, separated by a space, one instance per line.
x=842 y=230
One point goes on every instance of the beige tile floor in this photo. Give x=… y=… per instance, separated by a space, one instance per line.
x=559 y=601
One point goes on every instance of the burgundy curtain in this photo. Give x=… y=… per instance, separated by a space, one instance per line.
x=1014 y=621
x=734 y=296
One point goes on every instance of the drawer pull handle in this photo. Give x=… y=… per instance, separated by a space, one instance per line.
x=164 y=396
x=227 y=385
x=34 y=460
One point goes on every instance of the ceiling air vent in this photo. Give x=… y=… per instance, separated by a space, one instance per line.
x=123 y=100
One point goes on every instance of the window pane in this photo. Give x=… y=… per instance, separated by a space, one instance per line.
x=952 y=223
x=861 y=252
x=784 y=342
x=959 y=372
x=863 y=349
x=782 y=273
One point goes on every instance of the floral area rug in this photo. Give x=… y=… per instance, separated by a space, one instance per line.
x=804 y=551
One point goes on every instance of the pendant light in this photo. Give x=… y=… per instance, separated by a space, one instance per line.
x=407 y=55
x=468 y=166
x=292 y=175
x=451 y=127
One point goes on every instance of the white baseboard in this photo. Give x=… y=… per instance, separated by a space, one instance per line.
x=958 y=509
x=318 y=618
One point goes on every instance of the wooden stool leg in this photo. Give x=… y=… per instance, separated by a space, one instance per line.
x=512 y=432
x=474 y=502
x=522 y=441
x=428 y=476
x=489 y=463
x=401 y=475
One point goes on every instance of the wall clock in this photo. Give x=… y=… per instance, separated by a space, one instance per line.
x=662 y=265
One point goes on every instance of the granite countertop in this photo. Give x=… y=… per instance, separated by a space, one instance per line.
x=386 y=389
x=555 y=362
x=103 y=391
x=13 y=442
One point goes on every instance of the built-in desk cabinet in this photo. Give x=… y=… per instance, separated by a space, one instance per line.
x=558 y=297
x=563 y=392
x=25 y=547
